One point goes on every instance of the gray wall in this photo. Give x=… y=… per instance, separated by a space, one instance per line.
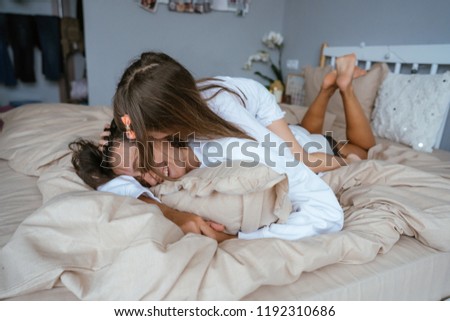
x=308 y=23
x=208 y=45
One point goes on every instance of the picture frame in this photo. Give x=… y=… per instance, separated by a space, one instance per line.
x=149 y=5
x=294 y=89
x=240 y=7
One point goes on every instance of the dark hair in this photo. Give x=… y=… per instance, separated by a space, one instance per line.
x=91 y=164
x=160 y=95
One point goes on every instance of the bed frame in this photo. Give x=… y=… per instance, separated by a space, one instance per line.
x=418 y=57
x=423 y=59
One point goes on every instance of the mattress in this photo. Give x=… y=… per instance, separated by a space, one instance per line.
x=410 y=271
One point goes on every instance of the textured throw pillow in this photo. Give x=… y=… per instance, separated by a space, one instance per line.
x=365 y=88
x=411 y=109
x=242 y=198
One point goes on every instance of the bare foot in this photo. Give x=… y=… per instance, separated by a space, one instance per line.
x=329 y=81
x=342 y=64
x=345 y=67
x=359 y=72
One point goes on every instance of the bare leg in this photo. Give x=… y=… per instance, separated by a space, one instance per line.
x=359 y=133
x=314 y=118
x=315 y=115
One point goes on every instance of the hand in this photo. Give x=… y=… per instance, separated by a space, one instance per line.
x=216 y=226
x=149 y=179
x=191 y=223
x=218 y=235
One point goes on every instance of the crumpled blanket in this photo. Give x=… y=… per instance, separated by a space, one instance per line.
x=106 y=247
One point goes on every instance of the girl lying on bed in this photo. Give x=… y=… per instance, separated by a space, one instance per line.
x=158 y=98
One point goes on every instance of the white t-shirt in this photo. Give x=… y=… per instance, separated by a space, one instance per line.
x=315 y=207
x=263 y=107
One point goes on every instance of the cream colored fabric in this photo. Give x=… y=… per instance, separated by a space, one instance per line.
x=105 y=247
x=19 y=197
x=102 y=246
x=36 y=134
x=410 y=271
x=242 y=198
x=365 y=89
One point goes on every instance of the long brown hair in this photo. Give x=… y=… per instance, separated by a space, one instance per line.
x=160 y=95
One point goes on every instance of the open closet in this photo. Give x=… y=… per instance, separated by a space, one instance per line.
x=42 y=52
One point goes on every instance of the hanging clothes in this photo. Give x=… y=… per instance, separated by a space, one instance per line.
x=49 y=41
x=7 y=75
x=25 y=33
x=22 y=40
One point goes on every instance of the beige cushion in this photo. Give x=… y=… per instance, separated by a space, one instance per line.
x=35 y=135
x=242 y=198
x=365 y=88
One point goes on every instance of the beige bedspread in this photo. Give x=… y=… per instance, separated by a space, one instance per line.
x=106 y=247
x=102 y=246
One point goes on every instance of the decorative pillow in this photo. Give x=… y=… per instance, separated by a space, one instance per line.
x=35 y=135
x=294 y=115
x=242 y=198
x=365 y=88
x=411 y=109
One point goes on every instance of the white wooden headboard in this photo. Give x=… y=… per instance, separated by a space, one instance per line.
x=429 y=56
x=429 y=59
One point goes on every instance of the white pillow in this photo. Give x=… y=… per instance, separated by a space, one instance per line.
x=411 y=109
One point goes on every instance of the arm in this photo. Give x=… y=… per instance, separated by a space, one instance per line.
x=191 y=223
x=317 y=162
x=188 y=222
x=262 y=105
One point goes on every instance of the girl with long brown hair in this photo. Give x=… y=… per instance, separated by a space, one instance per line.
x=157 y=101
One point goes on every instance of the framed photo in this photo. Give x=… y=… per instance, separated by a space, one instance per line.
x=149 y=5
x=294 y=89
x=241 y=7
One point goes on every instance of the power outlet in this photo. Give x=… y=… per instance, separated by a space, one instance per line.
x=292 y=64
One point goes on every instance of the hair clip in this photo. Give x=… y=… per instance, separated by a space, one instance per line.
x=127 y=122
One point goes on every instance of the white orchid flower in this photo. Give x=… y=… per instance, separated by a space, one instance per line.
x=262 y=56
x=273 y=40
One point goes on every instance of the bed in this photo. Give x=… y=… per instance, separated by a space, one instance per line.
x=61 y=240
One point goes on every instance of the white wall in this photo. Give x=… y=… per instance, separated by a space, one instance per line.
x=209 y=44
